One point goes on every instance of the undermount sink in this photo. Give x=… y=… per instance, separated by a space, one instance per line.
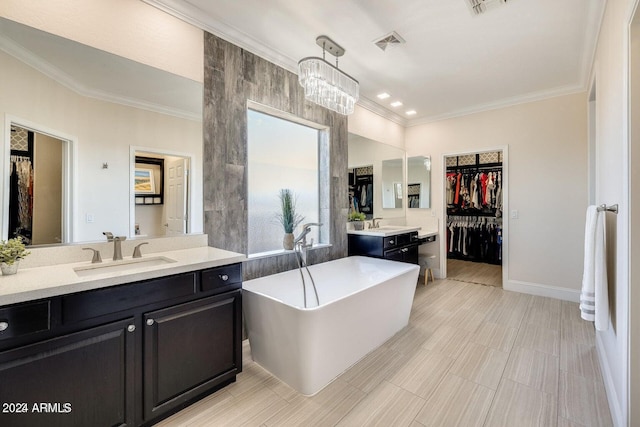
x=118 y=266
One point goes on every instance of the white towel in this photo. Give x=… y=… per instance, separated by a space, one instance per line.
x=594 y=299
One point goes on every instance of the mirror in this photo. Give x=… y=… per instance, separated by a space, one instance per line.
x=419 y=182
x=367 y=157
x=392 y=184
x=103 y=105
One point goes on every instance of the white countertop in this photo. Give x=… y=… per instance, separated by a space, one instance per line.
x=53 y=280
x=385 y=230
x=427 y=233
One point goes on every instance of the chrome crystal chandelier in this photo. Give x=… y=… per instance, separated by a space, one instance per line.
x=325 y=84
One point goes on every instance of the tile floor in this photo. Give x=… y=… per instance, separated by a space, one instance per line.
x=472 y=355
x=474 y=272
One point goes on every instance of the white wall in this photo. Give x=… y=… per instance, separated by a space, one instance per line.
x=612 y=186
x=547 y=173
x=104 y=132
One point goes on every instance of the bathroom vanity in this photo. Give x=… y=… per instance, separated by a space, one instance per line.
x=129 y=349
x=396 y=243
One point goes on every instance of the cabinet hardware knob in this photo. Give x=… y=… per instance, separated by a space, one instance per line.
x=150 y=322
x=392 y=242
x=131 y=328
x=224 y=277
x=3 y=326
x=405 y=250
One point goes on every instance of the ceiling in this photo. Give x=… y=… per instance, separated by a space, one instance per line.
x=453 y=62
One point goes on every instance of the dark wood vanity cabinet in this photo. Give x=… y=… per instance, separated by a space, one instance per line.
x=188 y=349
x=80 y=379
x=132 y=360
x=400 y=247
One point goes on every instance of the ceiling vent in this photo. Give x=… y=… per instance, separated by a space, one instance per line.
x=478 y=7
x=390 y=40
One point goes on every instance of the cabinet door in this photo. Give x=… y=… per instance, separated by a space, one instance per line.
x=190 y=349
x=81 y=379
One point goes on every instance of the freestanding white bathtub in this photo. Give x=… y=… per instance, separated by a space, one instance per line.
x=363 y=302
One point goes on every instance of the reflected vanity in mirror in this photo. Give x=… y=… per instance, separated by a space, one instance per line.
x=419 y=182
x=380 y=166
x=100 y=105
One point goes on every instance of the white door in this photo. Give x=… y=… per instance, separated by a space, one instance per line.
x=176 y=197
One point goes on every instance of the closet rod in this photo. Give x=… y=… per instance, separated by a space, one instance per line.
x=605 y=208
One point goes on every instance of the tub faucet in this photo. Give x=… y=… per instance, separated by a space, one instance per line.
x=300 y=243
x=302 y=238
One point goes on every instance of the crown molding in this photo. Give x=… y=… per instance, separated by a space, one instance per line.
x=376 y=108
x=198 y=18
x=506 y=102
x=20 y=53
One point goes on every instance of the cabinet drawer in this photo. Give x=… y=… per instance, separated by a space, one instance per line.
x=391 y=242
x=400 y=240
x=88 y=305
x=222 y=279
x=24 y=319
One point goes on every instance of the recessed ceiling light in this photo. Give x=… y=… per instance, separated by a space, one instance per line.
x=410 y=112
x=383 y=95
x=396 y=104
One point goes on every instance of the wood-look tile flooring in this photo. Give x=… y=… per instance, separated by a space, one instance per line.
x=474 y=272
x=472 y=355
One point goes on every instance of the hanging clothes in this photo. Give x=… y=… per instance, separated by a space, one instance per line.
x=475 y=239
x=21 y=197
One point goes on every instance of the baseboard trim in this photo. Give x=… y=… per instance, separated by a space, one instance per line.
x=617 y=415
x=542 y=290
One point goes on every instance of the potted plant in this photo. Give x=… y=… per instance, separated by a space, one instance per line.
x=11 y=252
x=288 y=217
x=358 y=220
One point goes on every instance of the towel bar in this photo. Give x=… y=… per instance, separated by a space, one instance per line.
x=612 y=208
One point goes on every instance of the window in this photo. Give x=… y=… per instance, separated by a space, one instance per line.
x=281 y=154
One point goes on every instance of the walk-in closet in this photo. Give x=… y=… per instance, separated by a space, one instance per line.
x=474 y=196
x=35 y=187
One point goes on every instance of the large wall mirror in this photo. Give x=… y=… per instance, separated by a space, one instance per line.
x=377 y=172
x=419 y=182
x=100 y=106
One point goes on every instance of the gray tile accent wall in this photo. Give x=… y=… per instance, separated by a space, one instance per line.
x=232 y=76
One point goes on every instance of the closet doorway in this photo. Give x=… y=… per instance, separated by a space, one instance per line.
x=36 y=186
x=474 y=189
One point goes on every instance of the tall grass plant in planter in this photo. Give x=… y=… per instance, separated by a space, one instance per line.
x=288 y=216
x=11 y=252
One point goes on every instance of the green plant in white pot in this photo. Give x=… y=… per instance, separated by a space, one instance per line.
x=288 y=216
x=11 y=252
x=357 y=218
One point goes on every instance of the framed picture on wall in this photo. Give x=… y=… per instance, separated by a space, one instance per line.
x=149 y=181
x=144 y=182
